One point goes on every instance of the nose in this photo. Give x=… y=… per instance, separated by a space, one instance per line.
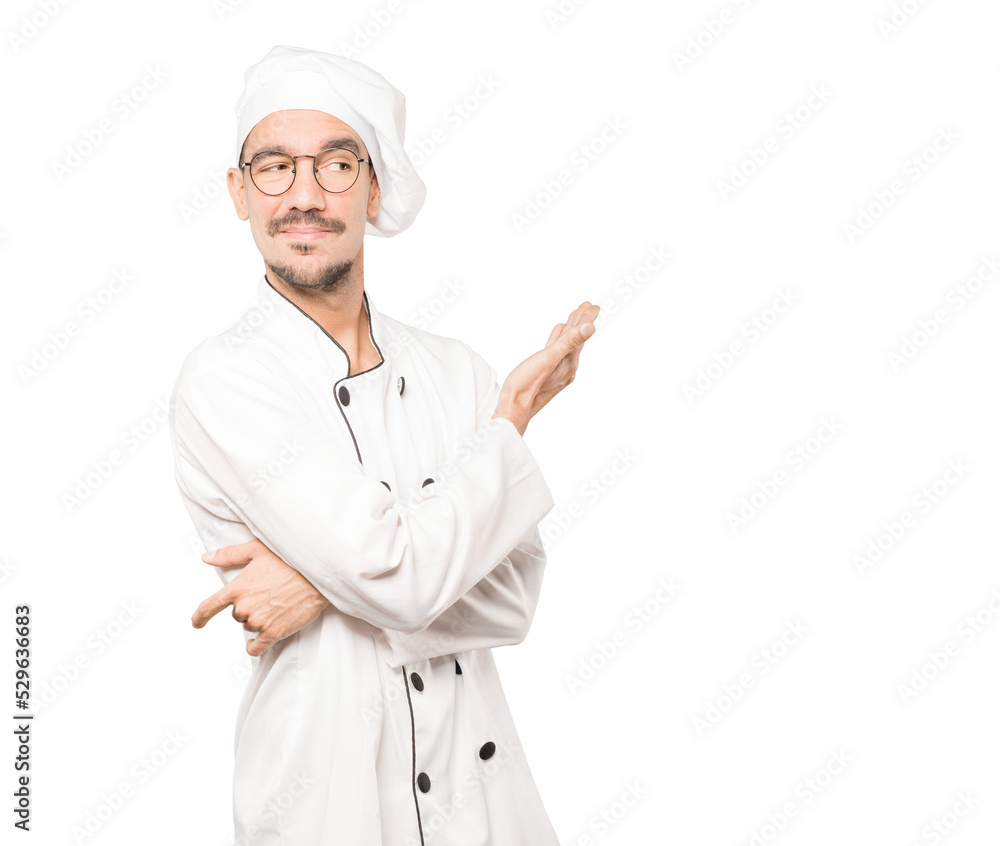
x=305 y=192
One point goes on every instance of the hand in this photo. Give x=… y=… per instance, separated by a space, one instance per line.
x=537 y=379
x=268 y=597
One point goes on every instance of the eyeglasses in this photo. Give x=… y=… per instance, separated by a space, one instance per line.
x=336 y=170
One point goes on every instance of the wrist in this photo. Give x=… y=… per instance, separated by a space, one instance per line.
x=317 y=601
x=515 y=407
x=519 y=422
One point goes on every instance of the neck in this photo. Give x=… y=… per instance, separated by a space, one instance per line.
x=341 y=312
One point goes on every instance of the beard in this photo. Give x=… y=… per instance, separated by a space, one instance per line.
x=325 y=280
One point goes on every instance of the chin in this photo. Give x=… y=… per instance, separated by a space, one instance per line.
x=327 y=275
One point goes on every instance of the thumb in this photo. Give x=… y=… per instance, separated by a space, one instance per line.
x=574 y=337
x=225 y=556
x=257 y=646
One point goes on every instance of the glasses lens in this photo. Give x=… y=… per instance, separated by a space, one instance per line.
x=337 y=169
x=272 y=173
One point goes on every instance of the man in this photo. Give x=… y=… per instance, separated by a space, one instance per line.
x=371 y=500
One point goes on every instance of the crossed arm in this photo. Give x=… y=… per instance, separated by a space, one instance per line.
x=276 y=600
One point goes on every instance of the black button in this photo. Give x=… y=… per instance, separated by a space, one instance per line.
x=458 y=669
x=427 y=482
x=386 y=486
x=400 y=384
x=424 y=782
x=487 y=750
x=418 y=682
x=345 y=395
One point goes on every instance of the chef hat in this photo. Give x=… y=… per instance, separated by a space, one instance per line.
x=297 y=78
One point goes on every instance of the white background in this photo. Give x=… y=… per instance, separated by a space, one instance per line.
x=628 y=726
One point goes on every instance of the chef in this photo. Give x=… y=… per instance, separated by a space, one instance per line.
x=364 y=486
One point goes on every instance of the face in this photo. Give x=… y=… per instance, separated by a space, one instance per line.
x=309 y=238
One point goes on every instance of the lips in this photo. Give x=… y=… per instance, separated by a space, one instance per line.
x=305 y=233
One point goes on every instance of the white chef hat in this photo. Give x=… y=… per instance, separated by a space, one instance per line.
x=297 y=78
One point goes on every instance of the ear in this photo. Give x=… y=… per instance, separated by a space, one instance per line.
x=374 y=193
x=234 y=180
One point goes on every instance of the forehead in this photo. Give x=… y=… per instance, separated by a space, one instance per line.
x=299 y=129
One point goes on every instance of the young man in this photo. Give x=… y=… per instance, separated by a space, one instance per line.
x=373 y=505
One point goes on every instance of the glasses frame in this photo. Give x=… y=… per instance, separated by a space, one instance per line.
x=315 y=171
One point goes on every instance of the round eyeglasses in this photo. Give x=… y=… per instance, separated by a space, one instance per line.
x=336 y=170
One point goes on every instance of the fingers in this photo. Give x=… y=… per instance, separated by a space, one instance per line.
x=579 y=329
x=257 y=646
x=588 y=314
x=581 y=320
x=583 y=313
x=554 y=335
x=211 y=606
x=586 y=319
x=226 y=556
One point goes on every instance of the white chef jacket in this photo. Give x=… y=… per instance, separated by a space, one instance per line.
x=416 y=515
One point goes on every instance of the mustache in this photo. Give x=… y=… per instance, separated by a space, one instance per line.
x=275 y=226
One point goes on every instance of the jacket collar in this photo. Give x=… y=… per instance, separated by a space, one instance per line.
x=295 y=328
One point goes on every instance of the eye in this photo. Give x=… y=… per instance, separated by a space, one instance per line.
x=336 y=160
x=272 y=162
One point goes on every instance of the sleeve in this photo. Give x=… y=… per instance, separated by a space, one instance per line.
x=499 y=609
x=396 y=564
x=496 y=612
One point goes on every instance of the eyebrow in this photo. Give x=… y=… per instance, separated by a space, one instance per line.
x=344 y=141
